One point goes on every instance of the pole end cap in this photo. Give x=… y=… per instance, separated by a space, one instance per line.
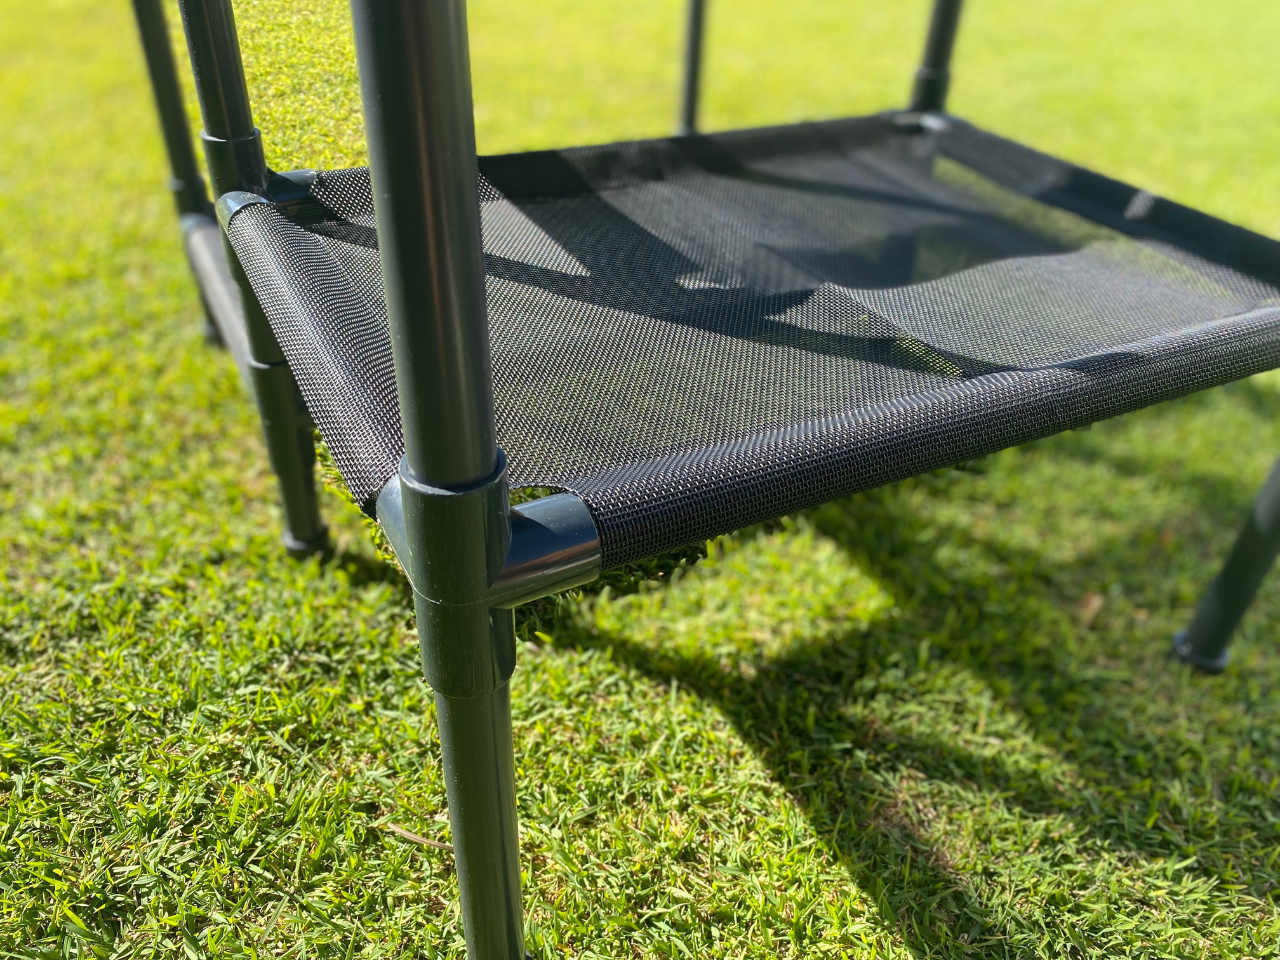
x=1182 y=649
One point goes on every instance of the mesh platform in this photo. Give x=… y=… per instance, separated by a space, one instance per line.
x=701 y=333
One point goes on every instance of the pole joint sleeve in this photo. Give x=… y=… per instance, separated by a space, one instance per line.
x=471 y=557
x=236 y=165
x=930 y=90
x=457 y=538
x=454 y=546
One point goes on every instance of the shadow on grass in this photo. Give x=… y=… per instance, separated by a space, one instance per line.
x=1143 y=781
x=1219 y=498
x=362 y=569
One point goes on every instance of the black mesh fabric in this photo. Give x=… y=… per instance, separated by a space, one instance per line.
x=700 y=333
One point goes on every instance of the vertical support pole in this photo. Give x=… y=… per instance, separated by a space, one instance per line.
x=934 y=75
x=691 y=89
x=233 y=150
x=415 y=81
x=232 y=144
x=186 y=183
x=1204 y=643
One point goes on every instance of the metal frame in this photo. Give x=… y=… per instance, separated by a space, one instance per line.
x=694 y=42
x=469 y=557
x=1203 y=644
x=233 y=151
x=185 y=182
x=224 y=319
x=928 y=94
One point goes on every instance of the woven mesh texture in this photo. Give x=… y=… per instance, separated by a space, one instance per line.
x=698 y=334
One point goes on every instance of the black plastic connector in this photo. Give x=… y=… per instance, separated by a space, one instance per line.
x=1186 y=652
x=238 y=164
x=470 y=558
x=929 y=91
x=457 y=541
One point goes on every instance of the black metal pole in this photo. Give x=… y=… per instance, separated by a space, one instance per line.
x=934 y=75
x=415 y=78
x=187 y=185
x=232 y=144
x=415 y=81
x=1204 y=642
x=185 y=180
x=693 y=45
x=233 y=150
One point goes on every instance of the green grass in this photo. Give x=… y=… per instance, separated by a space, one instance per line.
x=932 y=720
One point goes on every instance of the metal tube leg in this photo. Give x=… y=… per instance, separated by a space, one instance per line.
x=415 y=82
x=287 y=432
x=479 y=769
x=693 y=43
x=286 y=426
x=185 y=181
x=1204 y=643
x=233 y=151
x=457 y=541
x=934 y=76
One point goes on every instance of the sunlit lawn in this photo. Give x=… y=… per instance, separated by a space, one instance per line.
x=932 y=720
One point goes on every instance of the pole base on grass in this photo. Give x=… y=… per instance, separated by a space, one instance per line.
x=1183 y=651
x=301 y=549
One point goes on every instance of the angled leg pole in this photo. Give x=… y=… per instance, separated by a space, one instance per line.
x=185 y=182
x=693 y=47
x=1204 y=643
x=934 y=76
x=415 y=81
x=233 y=150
